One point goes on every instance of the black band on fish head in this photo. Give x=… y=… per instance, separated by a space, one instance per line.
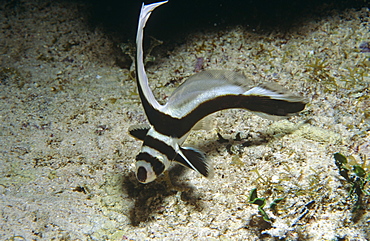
x=148 y=167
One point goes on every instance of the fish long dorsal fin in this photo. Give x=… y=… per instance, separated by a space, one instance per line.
x=145 y=92
x=205 y=93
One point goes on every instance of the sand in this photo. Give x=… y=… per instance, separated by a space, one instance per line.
x=67 y=161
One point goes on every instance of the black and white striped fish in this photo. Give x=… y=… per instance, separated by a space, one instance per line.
x=200 y=95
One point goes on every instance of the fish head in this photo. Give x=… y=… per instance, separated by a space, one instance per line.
x=149 y=166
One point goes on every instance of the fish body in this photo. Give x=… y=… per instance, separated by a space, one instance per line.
x=199 y=96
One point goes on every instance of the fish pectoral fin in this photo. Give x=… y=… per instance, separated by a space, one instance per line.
x=195 y=160
x=206 y=124
x=139 y=131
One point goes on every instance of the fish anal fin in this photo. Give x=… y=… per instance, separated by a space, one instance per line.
x=139 y=131
x=195 y=160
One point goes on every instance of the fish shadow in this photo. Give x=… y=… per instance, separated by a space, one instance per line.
x=234 y=143
x=150 y=199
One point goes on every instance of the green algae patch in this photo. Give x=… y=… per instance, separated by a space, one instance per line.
x=319 y=134
x=18 y=176
x=304 y=130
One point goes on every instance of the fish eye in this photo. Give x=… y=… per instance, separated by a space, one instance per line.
x=141 y=174
x=145 y=172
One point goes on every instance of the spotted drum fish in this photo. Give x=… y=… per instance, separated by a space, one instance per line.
x=199 y=96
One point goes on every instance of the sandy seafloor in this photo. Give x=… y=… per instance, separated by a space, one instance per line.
x=67 y=161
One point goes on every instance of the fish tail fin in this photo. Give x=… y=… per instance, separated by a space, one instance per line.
x=273 y=101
